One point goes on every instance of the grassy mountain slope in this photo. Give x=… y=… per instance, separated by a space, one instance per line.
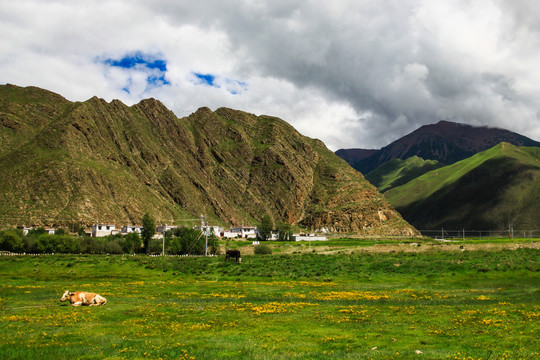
x=397 y=172
x=24 y=112
x=98 y=161
x=490 y=190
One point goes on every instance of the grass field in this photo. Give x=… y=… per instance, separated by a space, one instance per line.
x=429 y=304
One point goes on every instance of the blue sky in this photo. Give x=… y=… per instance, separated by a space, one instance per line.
x=206 y=79
x=232 y=86
x=153 y=66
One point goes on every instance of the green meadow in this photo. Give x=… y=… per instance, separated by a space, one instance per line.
x=356 y=304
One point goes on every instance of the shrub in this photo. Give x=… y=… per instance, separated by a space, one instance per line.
x=91 y=245
x=11 y=240
x=262 y=250
x=45 y=244
x=67 y=244
x=113 y=247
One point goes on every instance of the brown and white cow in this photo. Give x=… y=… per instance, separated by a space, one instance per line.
x=83 y=298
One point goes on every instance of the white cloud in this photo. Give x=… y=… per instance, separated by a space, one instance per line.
x=352 y=73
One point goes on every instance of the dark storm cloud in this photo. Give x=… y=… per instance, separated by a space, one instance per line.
x=397 y=61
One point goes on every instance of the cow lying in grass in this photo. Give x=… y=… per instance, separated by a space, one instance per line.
x=83 y=298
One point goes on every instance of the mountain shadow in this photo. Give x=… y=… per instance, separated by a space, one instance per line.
x=495 y=191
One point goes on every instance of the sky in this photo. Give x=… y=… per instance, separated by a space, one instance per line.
x=353 y=73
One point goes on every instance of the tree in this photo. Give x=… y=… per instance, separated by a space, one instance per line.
x=265 y=227
x=36 y=232
x=284 y=229
x=132 y=244
x=80 y=232
x=213 y=245
x=45 y=244
x=192 y=241
x=148 y=230
x=184 y=241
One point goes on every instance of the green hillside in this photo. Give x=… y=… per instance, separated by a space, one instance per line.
x=493 y=189
x=98 y=161
x=397 y=172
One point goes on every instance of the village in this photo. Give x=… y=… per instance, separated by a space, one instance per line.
x=233 y=233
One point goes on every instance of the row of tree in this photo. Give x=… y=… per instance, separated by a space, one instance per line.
x=180 y=241
x=266 y=226
x=42 y=243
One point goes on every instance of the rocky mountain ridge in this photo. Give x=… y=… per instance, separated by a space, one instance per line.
x=97 y=161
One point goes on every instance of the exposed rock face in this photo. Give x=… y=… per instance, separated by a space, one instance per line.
x=98 y=161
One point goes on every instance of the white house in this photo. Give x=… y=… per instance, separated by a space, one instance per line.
x=215 y=230
x=308 y=237
x=26 y=229
x=50 y=231
x=101 y=230
x=245 y=232
x=131 y=229
x=162 y=229
x=273 y=236
x=229 y=234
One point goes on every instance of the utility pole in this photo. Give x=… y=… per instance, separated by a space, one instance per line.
x=163 y=250
x=205 y=233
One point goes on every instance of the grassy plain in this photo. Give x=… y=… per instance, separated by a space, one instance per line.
x=356 y=303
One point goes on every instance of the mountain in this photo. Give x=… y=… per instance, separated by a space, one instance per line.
x=446 y=142
x=353 y=155
x=98 y=161
x=494 y=189
x=397 y=172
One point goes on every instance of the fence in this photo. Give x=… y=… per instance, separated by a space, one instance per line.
x=479 y=234
x=8 y=253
